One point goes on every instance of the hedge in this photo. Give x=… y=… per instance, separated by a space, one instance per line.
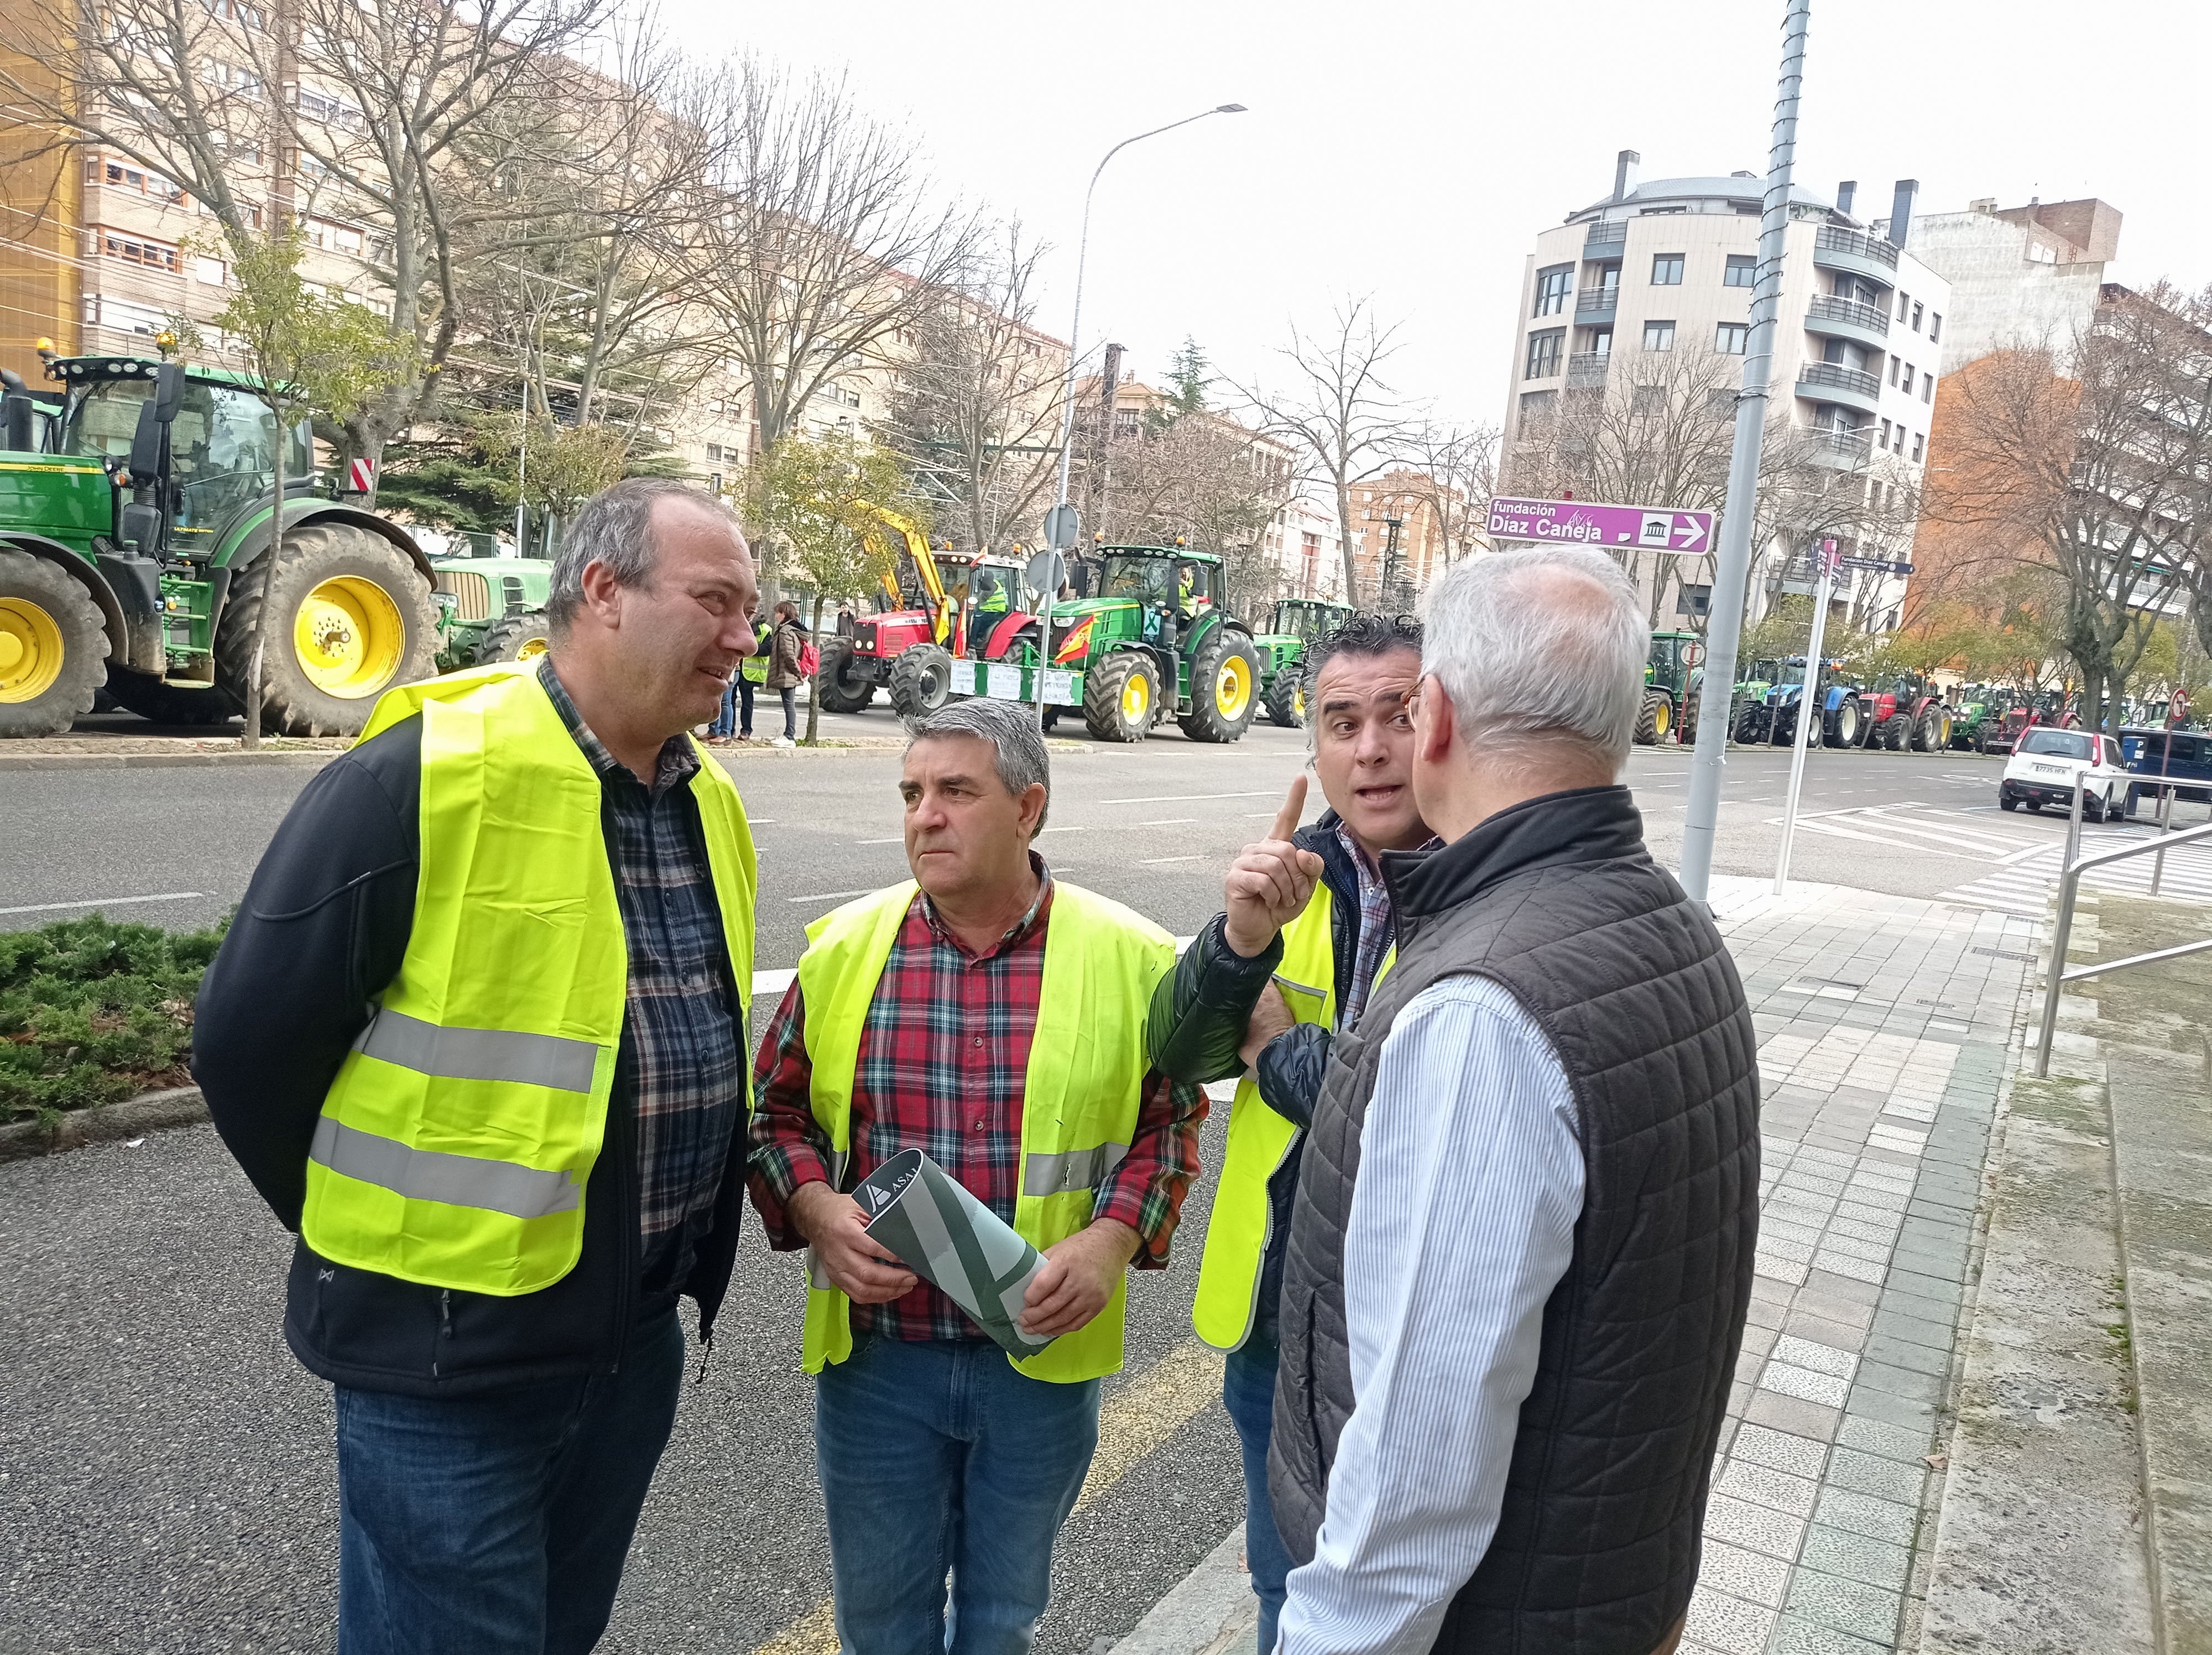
x=92 y=1012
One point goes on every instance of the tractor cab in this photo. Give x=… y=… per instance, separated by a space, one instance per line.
x=1297 y=626
x=1670 y=685
x=1172 y=588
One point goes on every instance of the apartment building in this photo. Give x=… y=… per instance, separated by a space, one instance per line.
x=1395 y=568
x=2018 y=275
x=1668 y=266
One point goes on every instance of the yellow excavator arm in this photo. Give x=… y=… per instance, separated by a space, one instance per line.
x=914 y=548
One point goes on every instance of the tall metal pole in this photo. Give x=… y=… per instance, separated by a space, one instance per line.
x=1732 y=572
x=1806 y=710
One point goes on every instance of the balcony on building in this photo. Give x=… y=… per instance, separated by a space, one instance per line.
x=1842 y=451
x=1832 y=318
x=1605 y=239
x=1860 y=254
x=1586 y=369
x=1595 y=306
x=1846 y=387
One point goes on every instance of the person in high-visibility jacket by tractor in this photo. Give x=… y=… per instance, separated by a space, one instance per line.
x=477 y=1034
x=1261 y=993
x=993 y=1016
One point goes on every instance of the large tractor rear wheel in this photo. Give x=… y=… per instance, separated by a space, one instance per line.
x=1121 y=696
x=53 y=650
x=922 y=680
x=524 y=637
x=165 y=703
x=349 y=616
x=1286 y=698
x=1894 y=731
x=842 y=685
x=1657 y=719
x=1225 y=688
x=1932 y=734
x=1689 y=736
x=1844 y=727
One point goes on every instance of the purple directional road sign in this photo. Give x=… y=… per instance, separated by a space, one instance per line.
x=1580 y=523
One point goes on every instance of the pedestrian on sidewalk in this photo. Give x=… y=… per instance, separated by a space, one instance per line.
x=1522 y=1250
x=1260 y=993
x=478 y=1035
x=993 y=1016
x=735 y=721
x=786 y=648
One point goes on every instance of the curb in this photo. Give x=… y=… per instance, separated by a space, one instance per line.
x=156 y=761
x=132 y=1118
x=1210 y=1611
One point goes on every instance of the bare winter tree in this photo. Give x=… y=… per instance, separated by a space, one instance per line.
x=827 y=240
x=1457 y=468
x=976 y=405
x=1339 y=409
x=2099 y=452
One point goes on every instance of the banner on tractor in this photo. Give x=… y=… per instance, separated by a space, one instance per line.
x=1577 y=522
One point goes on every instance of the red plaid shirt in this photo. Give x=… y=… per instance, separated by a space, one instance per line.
x=941 y=1064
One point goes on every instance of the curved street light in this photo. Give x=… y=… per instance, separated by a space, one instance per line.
x=1075 y=324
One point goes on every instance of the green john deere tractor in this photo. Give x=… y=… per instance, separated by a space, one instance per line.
x=125 y=526
x=1296 y=626
x=491 y=607
x=1154 y=640
x=1671 y=682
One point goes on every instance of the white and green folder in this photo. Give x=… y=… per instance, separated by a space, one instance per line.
x=955 y=1242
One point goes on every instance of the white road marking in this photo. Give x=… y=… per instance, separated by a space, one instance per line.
x=1154 y=861
x=1170 y=821
x=898 y=839
x=102 y=902
x=827 y=896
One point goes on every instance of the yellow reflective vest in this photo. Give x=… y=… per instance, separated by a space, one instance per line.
x=1236 y=1235
x=1079 y=1096
x=455 y=1143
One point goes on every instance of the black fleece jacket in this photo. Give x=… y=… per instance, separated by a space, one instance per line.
x=1197 y=1022
x=322 y=931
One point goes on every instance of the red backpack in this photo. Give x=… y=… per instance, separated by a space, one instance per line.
x=809 y=660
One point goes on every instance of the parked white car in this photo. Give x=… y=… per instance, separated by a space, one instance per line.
x=2045 y=761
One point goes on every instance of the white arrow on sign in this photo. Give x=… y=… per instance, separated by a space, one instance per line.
x=1689 y=534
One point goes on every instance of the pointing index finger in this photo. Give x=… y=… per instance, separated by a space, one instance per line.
x=1294 y=806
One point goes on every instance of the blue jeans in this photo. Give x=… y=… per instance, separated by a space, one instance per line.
x=497 y=1525
x=939 y=1458
x=736 y=717
x=1248 y=1391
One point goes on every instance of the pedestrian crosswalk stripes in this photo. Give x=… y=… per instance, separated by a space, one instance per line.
x=2023 y=855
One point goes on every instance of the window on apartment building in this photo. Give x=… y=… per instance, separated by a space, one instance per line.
x=234 y=147
x=1659 y=336
x=1917 y=310
x=1927 y=388
x=1544 y=350
x=1894 y=364
x=1667 y=270
x=230 y=77
x=838 y=393
x=333 y=237
x=1905 y=384
x=1598 y=342
x=101 y=310
x=1730 y=339
x=1535 y=405
x=136 y=250
x=1884 y=433
x=1919 y=446
x=115 y=175
x=1647 y=400
x=1553 y=284
x=1904 y=303
x=1742 y=270
x=1935 y=326
x=329 y=109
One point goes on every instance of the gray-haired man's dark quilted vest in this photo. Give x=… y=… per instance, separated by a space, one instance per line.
x=1557 y=901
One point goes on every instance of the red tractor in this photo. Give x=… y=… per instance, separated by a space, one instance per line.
x=939 y=606
x=1905 y=710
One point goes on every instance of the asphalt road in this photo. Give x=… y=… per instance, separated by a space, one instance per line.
x=166 y=1468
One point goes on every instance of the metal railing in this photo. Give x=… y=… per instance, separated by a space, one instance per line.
x=1848 y=448
x=1587 y=367
x=1614 y=234
x=1828 y=307
x=1833 y=239
x=1840 y=377
x=2069 y=885
x=1597 y=299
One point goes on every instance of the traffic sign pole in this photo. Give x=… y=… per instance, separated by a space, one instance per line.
x=1805 y=710
x=1732 y=573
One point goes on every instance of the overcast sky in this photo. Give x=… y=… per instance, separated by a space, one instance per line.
x=1411 y=150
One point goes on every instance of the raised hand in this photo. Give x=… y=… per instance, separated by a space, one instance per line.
x=1270 y=883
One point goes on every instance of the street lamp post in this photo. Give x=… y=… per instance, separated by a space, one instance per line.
x=1060 y=529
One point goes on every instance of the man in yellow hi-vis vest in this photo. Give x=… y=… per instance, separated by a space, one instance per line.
x=479 y=1034
x=1307 y=927
x=992 y=1017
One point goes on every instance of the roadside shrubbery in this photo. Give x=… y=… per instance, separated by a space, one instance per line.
x=91 y=1012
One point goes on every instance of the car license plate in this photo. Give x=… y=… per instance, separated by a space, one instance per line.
x=2048 y=769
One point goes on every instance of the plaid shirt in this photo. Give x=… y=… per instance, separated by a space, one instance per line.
x=1378 y=929
x=942 y=1059
x=682 y=1032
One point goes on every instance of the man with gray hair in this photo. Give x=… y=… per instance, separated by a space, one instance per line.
x=1521 y=1254
x=993 y=1016
x=478 y=1035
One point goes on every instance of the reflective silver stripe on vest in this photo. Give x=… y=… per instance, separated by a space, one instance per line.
x=1300 y=988
x=534 y=1060
x=433 y=1174
x=1069 y=1170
